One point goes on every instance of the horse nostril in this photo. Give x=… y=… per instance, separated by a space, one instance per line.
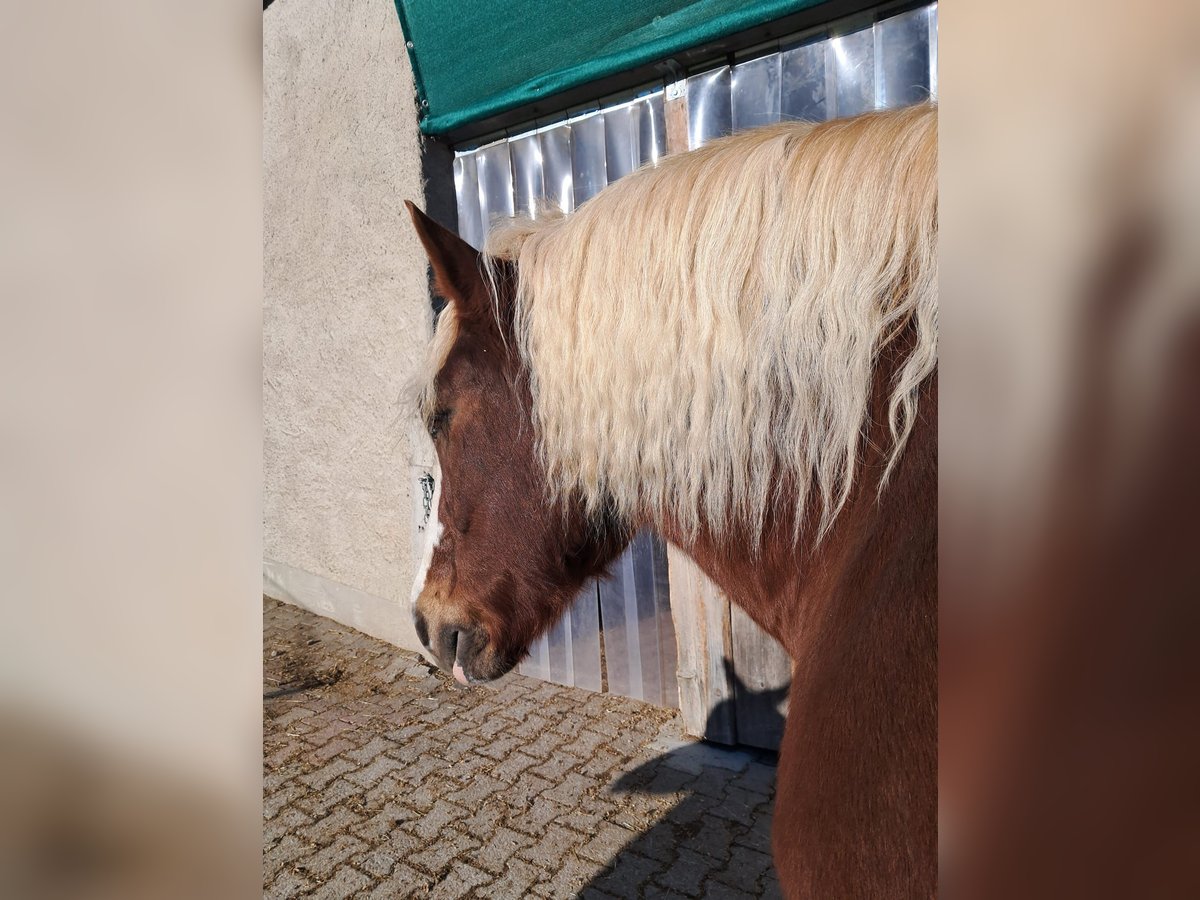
x=422 y=628
x=447 y=642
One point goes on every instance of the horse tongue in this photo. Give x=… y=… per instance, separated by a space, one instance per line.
x=459 y=675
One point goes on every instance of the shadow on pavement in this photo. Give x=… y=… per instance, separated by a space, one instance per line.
x=716 y=841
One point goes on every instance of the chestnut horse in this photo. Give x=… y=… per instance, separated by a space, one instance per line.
x=737 y=348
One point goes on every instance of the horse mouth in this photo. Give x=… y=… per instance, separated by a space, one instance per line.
x=457 y=670
x=462 y=650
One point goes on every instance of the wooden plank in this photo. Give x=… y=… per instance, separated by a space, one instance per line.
x=761 y=674
x=718 y=694
x=675 y=111
x=704 y=639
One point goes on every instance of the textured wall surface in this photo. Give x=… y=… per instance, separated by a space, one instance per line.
x=346 y=304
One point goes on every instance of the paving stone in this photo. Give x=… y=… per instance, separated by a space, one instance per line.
x=657 y=892
x=525 y=789
x=746 y=866
x=276 y=801
x=569 y=789
x=370 y=750
x=739 y=805
x=340 y=791
x=330 y=731
x=554 y=842
x=535 y=818
x=371 y=773
x=322 y=863
x=688 y=872
x=716 y=890
x=486 y=817
x=627 y=874
x=600 y=763
x=547 y=743
x=468 y=767
x=695 y=757
x=594 y=893
x=339 y=746
x=459 y=882
x=323 y=831
x=557 y=766
x=289 y=884
x=567 y=879
x=384 y=822
x=442 y=814
x=295 y=714
x=667 y=780
x=459 y=747
x=518 y=877
x=660 y=841
x=512 y=766
x=499 y=748
x=499 y=849
x=289 y=821
x=393 y=782
x=286 y=850
x=714 y=837
x=609 y=840
x=437 y=855
x=378 y=863
x=346 y=882
x=319 y=779
x=758 y=777
x=585 y=815
x=477 y=790
x=276 y=779
x=404 y=881
x=585 y=742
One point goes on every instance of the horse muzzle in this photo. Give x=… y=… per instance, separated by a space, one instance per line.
x=458 y=648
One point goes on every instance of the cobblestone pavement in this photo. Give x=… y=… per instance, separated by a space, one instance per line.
x=383 y=778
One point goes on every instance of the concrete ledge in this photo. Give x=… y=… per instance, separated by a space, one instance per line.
x=386 y=620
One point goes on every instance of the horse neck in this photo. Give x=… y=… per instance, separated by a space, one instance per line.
x=879 y=545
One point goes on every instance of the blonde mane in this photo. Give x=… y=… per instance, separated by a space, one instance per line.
x=700 y=329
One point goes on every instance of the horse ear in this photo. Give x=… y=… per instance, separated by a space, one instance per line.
x=455 y=263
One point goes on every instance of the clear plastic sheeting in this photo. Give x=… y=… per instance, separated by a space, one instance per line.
x=847 y=70
x=558 y=177
x=755 y=92
x=710 y=112
x=634 y=135
x=802 y=83
x=466 y=189
x=528 y=188
x=569 y=653
x=889 y=63
x=639 y=636
x=588 y=156
x=496 y=200
x=903 y=62
x=853 y=72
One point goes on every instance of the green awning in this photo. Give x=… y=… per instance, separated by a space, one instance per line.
x=474 y=59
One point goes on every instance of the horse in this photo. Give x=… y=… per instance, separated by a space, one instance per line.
x=738 y=349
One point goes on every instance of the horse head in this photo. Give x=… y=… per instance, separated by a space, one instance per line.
x=503 y=559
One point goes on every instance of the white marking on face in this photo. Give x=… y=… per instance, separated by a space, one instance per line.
x=433 y=536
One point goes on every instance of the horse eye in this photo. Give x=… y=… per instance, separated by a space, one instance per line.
x=438 y=423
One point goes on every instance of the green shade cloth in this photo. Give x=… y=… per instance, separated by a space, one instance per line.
x=477 y=58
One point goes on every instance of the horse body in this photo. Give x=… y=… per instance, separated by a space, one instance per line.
x=856 y=808
x=772 y=413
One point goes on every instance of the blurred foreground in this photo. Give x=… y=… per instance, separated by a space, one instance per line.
x=130 y=475
x=1070 y=416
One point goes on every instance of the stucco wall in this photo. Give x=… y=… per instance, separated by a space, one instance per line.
x=346 y=310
